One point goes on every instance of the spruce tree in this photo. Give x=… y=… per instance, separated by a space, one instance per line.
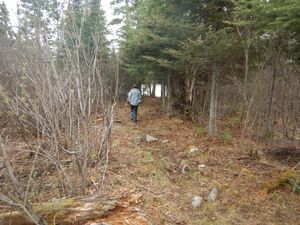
x=5 y=27
x=94 y=29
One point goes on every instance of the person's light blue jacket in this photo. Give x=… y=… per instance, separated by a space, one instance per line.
x=134 y=96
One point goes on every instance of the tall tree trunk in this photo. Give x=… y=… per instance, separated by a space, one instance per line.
x=149 y=86
x=153 y=89
x=268 y=128
x=212 y=129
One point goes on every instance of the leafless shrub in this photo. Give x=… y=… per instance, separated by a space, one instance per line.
x=54 y=97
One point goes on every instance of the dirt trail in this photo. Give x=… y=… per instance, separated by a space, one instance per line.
x=152 y=169
x=150 y=188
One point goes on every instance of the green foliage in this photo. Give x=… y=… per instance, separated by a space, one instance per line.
x=125 y=11
x=84 y=28
x=94 y=27
x=202 y=131
x=37 y=19
x=226 y=136
x=276 y=20
x=150 y=46
x=173 y=37
x=5 y=27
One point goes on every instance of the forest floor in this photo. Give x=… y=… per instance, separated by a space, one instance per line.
x=151 y=189
x=152 y=171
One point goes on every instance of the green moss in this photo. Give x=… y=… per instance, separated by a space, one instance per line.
x=290 y=178
x=56 y=209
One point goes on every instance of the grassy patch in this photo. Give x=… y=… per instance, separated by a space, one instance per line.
x=149 y=156
x=201 y=131
x=226 y=137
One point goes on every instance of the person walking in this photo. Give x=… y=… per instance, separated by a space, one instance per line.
x=134 y=99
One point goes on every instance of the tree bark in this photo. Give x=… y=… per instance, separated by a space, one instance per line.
x=212 y=129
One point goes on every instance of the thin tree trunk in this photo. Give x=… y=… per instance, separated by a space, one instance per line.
x=149 y=86
x=212 y=129
x=268 y=127
x=206 y=94
x=169 y=93
x=153 y=89
x=191 y=88
x=163 y=94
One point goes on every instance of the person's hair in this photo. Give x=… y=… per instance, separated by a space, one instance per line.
x=135 y=86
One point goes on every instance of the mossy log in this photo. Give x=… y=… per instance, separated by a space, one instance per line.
x=65 y=211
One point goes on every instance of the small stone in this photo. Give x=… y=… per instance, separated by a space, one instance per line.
x=151 y=139
x=202 y=168
x=184 y=167
x=213 y=195
x=197 y=201
x=193 y=149
x=165 y=141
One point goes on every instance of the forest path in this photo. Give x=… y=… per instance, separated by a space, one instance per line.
x=152 y=171
x=147 y=185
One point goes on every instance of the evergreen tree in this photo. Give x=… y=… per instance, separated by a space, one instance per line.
x=5 y=27
x=71 y=26
x=163 y=40
x=125 y=12
x=94 y=29
x=38 y=19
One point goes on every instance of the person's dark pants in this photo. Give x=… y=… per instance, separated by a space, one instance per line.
x=134 y=110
